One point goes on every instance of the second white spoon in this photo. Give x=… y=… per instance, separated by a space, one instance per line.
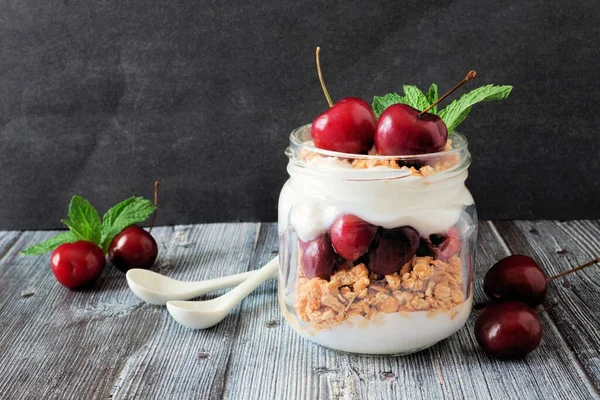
x=204 y=314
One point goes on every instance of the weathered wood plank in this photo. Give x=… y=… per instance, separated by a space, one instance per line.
x=105 y=343
x=558 y=247
x=65 y=344
x=253 y=371
x=7 y=240
x=181 y=363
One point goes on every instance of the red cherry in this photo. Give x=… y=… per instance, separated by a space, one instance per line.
x=508 y=330
x=318 y=258
x=351 y=236
x=449 y=246
x=133 y=248
x=440 y=246
x=78 y=264
x=347 y=127
x=403 y=130
x=392 y=249
x=516 y=278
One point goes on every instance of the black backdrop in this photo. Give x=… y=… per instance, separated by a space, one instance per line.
x=101 y=98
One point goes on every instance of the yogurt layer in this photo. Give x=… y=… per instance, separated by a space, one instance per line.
x=381 y=196
x=396 y=333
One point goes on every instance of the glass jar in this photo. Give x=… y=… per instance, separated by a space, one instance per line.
x=376 y=252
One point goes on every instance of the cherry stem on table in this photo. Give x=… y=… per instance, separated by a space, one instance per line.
x=470 y=76
x=156 y=185
x=550 y=307
x=329 y=101
x=588 y=264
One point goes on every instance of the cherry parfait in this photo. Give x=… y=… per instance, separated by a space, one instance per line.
x=374 y=258
x=377 y=229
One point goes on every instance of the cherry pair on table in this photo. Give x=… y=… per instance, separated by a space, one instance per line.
x=511 y=327
x=79 y=264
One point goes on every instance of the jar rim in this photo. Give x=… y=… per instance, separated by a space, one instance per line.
x=301 y=148
x=300 y=140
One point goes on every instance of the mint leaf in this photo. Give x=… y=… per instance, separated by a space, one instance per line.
x=458 y=119
x=50 y=244
x=128 y=212
x=380 y=103
x=457 y=111
x=415 y=98
x=84 y=221
x=432 y=96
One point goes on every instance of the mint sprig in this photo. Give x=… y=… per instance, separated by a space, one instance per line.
x=380 y=103
x=84 y=223
x=412 y=96
x=415 y=98
x=119 y=217
x=432 y=96
x=50 y=244
x=454 y=114
x=457 y=111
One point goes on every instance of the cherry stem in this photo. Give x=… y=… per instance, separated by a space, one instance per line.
x=550 y=307
x=327 y=96
x=470 y=76
x=588 y=264
x=156 y=185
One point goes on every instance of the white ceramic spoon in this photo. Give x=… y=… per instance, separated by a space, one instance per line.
x=204 y=314
x=157 y=289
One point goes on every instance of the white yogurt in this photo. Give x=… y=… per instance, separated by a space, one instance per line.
x=396 y=333
x=310 y=203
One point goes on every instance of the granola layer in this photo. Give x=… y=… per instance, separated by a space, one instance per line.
x=423 y=284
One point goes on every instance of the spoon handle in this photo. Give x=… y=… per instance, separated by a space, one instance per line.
x=199 y=288
x=242 y=290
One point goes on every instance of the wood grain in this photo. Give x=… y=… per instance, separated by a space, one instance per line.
x=105 y=343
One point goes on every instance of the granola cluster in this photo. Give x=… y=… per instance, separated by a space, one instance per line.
x=423 y=284
x=443 y=162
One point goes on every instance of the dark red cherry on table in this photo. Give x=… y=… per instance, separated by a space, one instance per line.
x=351 y=237
x=393 y=248
x=347 y=127
x=508 y=330
x=517 y=278
x=77 y=264
x=404 y=130
x=318 y=258
x=134 y=247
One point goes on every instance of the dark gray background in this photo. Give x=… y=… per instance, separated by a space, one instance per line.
x=100 y=98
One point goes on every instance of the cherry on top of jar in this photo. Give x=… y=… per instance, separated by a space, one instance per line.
x=304 y=155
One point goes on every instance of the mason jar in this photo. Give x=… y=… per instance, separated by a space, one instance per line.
x=376 y=252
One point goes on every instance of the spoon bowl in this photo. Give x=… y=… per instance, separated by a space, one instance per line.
x=197 y=314
x=204 y=314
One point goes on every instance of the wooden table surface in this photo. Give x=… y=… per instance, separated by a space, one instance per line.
x=105 y=343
